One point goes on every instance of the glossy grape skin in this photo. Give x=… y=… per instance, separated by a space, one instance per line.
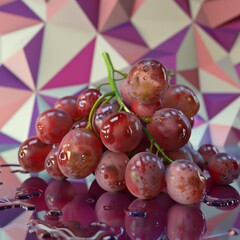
x=110 y=172
x=79 y=153
x=125 y=94
x=86 y=100
x=207 y=151
x=182 y=98
x=101 y=114
x=69 y=105
x=82 y=123
x=121 y=132
x=170 y=128
x=224 y=168
x=32 y=154
x=51 y=164
x=52 y=125
x=147 y=80
x=185 y=222
x=144 y=175
x=185 y=182
x=145 y=110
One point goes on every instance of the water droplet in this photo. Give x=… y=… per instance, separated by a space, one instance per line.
x=26 y=193
x=17 y=204
x=145 y=68
x=54 y=213
x=220 y=202
x=234 y=232
x=136 y=213
x=90 y=200
x=144 y=78
x=108 y=207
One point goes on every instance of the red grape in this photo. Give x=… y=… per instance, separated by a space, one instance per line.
x=52 y=125
x=125 y=94
x=223 y=168
x=145 y=175
x=170 y=128
x=110 y=173
x=185 y=182
x=32 y=154
x=79 y=153
x=207 y=151
x=147 y=80
x=121 y=132
x=82 y=123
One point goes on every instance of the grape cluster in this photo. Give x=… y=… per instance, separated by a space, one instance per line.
x=133 y=137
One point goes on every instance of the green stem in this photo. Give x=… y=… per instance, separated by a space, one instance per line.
x=111 y=71
x=100 y=99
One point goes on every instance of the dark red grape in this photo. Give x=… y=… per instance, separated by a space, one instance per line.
x=145 y=175
x=223 y=168
x=82 y=123
x=52 y=125
x=147 y=80
x=79 y=153
x=121 y=132
x=125 y=94
x=207 y=151
x=170 y=128
x=32 y=154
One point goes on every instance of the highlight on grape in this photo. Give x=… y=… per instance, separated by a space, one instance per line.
x=135 y=137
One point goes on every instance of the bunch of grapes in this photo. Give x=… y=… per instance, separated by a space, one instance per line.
x=134 y=137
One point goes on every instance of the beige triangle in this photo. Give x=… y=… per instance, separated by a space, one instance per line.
x=71 y=15
x=235 y=51
x=60 y=45
x=39 y=7
x=12 y=42
x=99 y=70
x=157 y=21
x=212 y=84
x=18 y=65
x=197 y=135
x=188 y=49
x=195 y=5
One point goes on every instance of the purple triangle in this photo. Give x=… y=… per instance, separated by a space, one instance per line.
x=225 y=38
x=184 y=4
x=233 y=137
x=216 y=102
x=206 y=137
x=8 y=79
x=35 y=113
x=50 y=100
x=233 y=25
x=33 y=52
x=90 y=7
x=237 y=67
x=4 y=139
x=172 y=44
x=126 y=32
x=19 y=8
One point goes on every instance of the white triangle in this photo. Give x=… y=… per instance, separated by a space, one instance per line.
x=228 y=115
x=212 y=84
x=63 y=91
x=39 y=7
x=157 y=21
x=234 y=53
x=60 y=45
x=188 y=49
x=19 y=124
x=14 y=41
x=198 y=134
x=42 y=104
x=195 y=5
x=76 y=19
x=99 y=69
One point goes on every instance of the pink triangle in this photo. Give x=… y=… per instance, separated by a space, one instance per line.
x=204 y=58
x=9 y=104
x=198 y=121
x=219 y=133
x=18 y=65
x=191 y=75
x=77 y=71
x=3 y=2
x=130 y=51
x=233 y=137
x=54 y=6
x=105 y=9
x=11 y=23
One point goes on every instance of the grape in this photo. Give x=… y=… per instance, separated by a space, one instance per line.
x=185 y=223
x=79 y=153
x=145 y=110
x=125 y=94
x=185 y=182
x=69 y=105
x=170 y=128
x=86 y=100
x=110 y=173
x=52 y=125
x=207 y=151
x=82 y=123
x=181 y=153
x=223 y=168
x=121 y=132
x=51 y=164
x=145 y=175
x=32 y=154
x=147 y=80
x=101 y=114
x=182 y=98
